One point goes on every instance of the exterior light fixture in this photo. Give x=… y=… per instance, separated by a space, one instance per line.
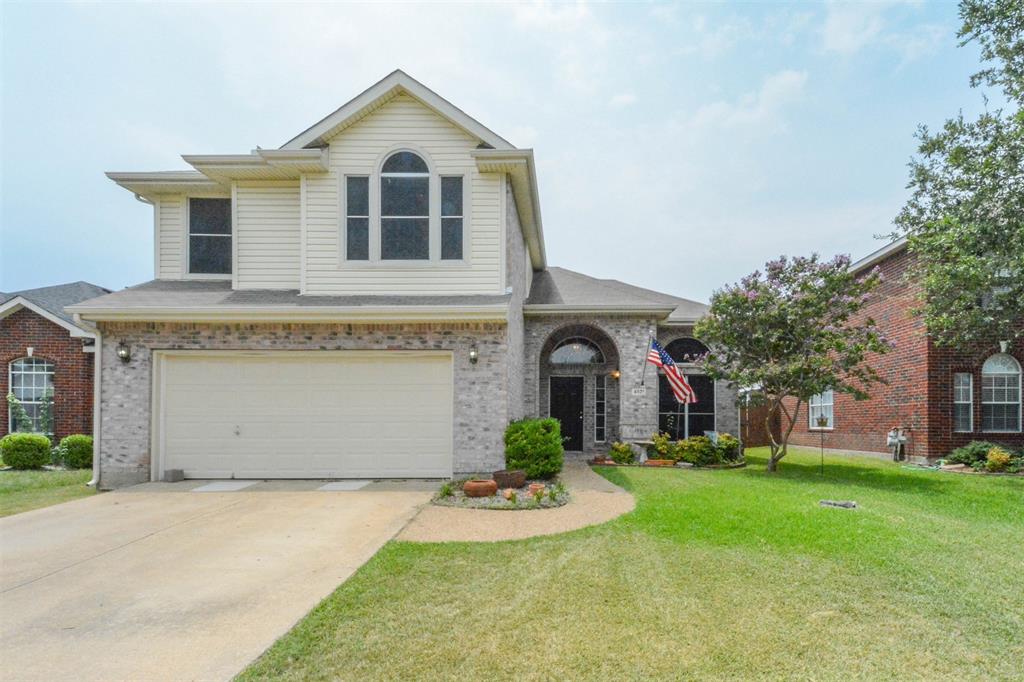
x=1004 y=346
x=124 y=352
x=616 y=374
x=474 y=355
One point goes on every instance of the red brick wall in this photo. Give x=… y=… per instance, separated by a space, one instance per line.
x=919 y=395
x=73 y=369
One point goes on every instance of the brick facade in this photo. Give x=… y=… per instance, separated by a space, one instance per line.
x=73 y=369
x=918 y=395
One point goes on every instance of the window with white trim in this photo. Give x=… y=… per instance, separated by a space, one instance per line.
x=451 y=218
x=209 y=236
x=31 y=384
x=821 y=405
x=1000 y=394
x=357 y=217
x=404 y=208
x=600 y=411
x=963 y=402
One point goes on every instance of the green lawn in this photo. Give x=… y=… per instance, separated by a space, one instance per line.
x=24 y=490
x=717 y=574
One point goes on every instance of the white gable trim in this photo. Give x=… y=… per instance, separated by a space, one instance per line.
x=17 y=303
x=371 y=98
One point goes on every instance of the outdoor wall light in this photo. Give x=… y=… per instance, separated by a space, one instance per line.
x=124 y=353
x=474 y=355
x=1004 y=346
x=616 y=374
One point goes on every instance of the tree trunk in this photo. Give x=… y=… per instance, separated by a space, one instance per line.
x=779 y=450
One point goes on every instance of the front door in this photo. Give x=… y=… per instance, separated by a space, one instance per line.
x=567 y=407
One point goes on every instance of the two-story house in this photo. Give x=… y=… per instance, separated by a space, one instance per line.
x=371 y=299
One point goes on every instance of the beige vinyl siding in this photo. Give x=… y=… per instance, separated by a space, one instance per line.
x=170 y=237
x=358 y=150
x=267 y=230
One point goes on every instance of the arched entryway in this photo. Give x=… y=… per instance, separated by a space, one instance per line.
x=681 y=420
x=579 y=385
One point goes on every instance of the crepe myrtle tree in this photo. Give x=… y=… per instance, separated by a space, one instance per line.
x=792 y=332
x=964 y=219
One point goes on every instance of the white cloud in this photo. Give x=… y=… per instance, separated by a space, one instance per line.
x=851 y=26
x=757 y=111
x=621 y=100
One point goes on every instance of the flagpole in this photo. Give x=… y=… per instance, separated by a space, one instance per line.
x=643 y=370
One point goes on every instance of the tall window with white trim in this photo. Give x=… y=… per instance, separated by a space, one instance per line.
x=963 y=402
x=821 y=405
x=599 y=409
x=1000 y=394
x=209 y=236
x=404 y=208
x=31 y=384
x=357 y=218
x=451 y=218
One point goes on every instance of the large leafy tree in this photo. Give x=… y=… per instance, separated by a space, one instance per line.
x=792 y=332
x=965 y=217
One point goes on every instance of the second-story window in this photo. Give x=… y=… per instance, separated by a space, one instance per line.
x=209 y=236
x=404 y=208
x=357 y=227
x=451 y=218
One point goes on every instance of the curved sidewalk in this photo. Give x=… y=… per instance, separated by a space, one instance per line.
x=594 y=500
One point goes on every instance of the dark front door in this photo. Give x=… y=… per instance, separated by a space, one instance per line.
x=567 y=407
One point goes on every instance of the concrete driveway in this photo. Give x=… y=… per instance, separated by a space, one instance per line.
x=157 y=582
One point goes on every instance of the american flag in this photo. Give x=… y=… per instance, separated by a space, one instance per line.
x=657 y=356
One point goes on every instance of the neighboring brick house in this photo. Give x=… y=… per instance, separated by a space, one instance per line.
x=46 y=356
x=372 y=300
x=943 y=397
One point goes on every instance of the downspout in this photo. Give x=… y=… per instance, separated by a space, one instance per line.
x=96 y=368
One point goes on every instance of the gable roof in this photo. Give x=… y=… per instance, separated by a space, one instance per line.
x=49 y=302
x=879 y=255
x=395 y=83
x=557 y=290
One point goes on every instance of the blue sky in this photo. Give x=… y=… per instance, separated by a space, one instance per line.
x=712 y=137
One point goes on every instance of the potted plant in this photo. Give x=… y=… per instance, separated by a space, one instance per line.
x=510 y=478
x=480 y=488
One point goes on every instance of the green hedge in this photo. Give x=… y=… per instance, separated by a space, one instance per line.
x=76 y=451
x=535 y=446
x=25 y=450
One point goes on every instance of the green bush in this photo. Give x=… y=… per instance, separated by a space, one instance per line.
x=25 y=450
x=661 y=447
x=621 y=453
x=76 y=451
x=975 y=451
x=997 y=459
x=729 y=447
x=535 y=446
x=698 y=451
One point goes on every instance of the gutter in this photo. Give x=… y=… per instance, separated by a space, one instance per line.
x=569 y=309
x=97 y=370
x=293 y=314
x=879 y=255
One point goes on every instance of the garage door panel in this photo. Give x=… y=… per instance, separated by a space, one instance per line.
x=307 y=415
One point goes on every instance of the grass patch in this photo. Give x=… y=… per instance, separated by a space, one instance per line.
x=716 y=574
x=24 y=490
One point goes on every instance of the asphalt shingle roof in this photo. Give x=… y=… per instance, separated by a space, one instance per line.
x=54 y=299
x=558 y=286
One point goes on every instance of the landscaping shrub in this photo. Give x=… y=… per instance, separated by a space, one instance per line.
x=621 y=453
x=25 y=450
x=975 y=451
x=729 y=447
x=698 y=451
x=535 y=446
x=997 y=459
x=661 y=447
x=76 y=451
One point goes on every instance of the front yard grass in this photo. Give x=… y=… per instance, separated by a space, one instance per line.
x=716 y=574
x=24 y=490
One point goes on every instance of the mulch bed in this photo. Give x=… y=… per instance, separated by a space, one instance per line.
x=523 y=498
x=964 y=469
x=677 y=465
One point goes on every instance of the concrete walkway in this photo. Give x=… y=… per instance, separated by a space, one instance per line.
x=151 y=585
x=594 y=500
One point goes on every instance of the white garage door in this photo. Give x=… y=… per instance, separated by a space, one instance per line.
x=306 y=415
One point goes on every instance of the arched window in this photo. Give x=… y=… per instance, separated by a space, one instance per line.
x=31 y=383
x=404 y=208
x=686 y=350
x=576 y=351
x=1000 y=394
